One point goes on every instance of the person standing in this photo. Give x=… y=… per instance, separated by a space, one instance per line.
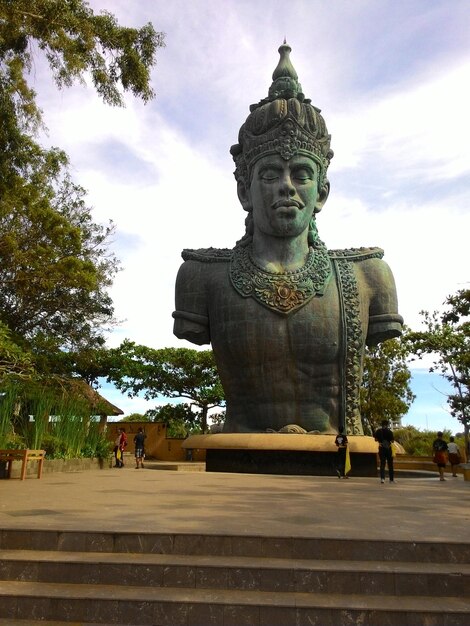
x=139 y=441
x=120 y=446
x=440 y=448
x=116 y=449
x=454 y=455
x=384 y=437
x=341 y=442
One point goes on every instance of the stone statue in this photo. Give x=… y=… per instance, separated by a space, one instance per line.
x=288 y=320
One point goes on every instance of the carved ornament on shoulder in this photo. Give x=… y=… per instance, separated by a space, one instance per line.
x=207 y=255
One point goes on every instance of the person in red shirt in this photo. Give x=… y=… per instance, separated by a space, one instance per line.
x=120 y=444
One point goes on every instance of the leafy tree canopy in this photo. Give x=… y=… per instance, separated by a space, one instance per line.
x=419 y=442
x=168 y=372
x=181 y=421
x=75 y=41
x=136 y=417
x=447 y=338
x=385 y=391
x=56 y=266
x=16 y=364
x=77 y=44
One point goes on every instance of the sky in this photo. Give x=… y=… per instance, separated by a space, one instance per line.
x=391 y=79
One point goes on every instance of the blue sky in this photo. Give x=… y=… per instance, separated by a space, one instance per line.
x=391 y=79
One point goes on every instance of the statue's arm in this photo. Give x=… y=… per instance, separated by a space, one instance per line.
x=190 y=315
x=384 y=320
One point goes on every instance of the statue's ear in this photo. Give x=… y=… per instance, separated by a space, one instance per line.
x=322 y=197
x=244 y=196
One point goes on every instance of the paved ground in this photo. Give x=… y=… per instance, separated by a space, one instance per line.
x=197 y=502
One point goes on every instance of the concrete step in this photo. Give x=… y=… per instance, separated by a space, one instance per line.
x=91 y=578
x=242 y=573
x=177 y=466
x=27 y=622
x=142 y=606
x=236 y=545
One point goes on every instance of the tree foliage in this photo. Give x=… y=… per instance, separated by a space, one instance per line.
x=77 y=44
x=136 y=417
x=75 y=41
x=419 y=442
x=55 y=262
x=168 y=372
x=181 y=421
x=447 y=338
x=385 y=391
x=56 y=265
x=16 y=364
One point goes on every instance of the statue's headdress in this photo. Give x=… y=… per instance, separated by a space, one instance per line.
x=285 y=123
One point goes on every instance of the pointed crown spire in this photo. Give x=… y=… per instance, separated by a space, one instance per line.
x=285 y=122
x=285 y=79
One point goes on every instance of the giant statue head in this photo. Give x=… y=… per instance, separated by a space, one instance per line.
x=287 y=125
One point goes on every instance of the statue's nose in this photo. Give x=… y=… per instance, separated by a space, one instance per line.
x=286 y=185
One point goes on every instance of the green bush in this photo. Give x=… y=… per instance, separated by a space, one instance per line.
x=419 y=442
x=96 y=446
x=55 y=448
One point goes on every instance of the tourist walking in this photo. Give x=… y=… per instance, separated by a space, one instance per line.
x=384 y=437
x=440 y=448
x=454 y=455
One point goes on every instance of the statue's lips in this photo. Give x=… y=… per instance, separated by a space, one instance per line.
x=287 y=204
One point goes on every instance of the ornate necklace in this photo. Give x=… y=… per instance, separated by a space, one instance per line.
x=284 y=292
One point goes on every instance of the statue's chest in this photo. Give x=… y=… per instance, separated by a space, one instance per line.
x=248 y=330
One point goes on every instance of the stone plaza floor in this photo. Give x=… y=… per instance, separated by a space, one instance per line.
x=149 y=500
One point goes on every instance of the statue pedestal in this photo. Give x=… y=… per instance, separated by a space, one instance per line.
x=278 y=453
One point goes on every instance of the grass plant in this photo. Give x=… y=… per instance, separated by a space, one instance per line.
x=54 y=418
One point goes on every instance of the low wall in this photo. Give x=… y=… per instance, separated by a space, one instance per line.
x=58 y=465
x=424 y=463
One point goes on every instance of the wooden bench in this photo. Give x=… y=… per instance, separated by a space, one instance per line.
x=24 y=456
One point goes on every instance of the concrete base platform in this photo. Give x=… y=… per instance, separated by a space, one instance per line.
x=279 y=453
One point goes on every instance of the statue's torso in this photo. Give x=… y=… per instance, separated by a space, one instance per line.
x=276 y=368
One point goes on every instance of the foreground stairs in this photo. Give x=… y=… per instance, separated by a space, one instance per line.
x=53 y=578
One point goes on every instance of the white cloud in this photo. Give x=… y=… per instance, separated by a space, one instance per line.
x=418 y=132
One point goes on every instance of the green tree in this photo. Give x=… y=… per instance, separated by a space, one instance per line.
x=168 y=372
x=447 y=338
x=181 y=421
x=75 y=40
x=76 y=43
x=56 y=266
x=136 y=417
x=385 y=391
x=16 y=364
x=419 y=442
x=55 y=263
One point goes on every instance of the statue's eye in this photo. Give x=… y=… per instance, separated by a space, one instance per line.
x=269 y=175
x=302 y=174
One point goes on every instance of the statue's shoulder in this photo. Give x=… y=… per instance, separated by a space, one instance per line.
x=208 y=255
x=356 y=254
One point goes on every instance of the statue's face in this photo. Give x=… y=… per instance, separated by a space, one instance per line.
x=284 y=195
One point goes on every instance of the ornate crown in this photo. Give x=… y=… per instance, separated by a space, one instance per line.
x=285 y=122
